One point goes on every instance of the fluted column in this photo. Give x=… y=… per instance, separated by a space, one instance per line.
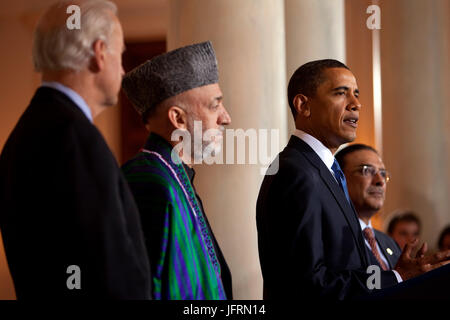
x=315 y=29
x=248 y=37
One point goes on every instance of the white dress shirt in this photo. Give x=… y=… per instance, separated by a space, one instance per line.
x=382 y=256
x=75 y=97
x=323 y=152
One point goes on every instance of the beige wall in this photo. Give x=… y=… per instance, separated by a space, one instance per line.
x=16 y=87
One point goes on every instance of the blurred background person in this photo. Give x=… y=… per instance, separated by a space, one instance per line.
x=444 y=239
x=404 y=227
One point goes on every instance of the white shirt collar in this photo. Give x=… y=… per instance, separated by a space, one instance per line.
x=323 y=152
x=75 y=97
x=364 y=225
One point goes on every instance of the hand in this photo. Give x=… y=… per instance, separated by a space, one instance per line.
x=409 y=267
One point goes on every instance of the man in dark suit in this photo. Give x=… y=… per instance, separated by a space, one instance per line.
x=367 y=178
x=69 y=223
x=310 y=241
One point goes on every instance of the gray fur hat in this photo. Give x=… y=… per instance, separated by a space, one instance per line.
x=170 y=74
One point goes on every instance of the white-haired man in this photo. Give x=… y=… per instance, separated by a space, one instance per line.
x=69 y=222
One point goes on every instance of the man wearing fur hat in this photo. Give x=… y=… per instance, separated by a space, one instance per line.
x=171 y=92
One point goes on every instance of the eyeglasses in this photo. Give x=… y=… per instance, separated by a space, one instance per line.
x=370 y=171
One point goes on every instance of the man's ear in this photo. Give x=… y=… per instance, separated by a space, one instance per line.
x=177 y=117
x=98 y=59
x=301 y=105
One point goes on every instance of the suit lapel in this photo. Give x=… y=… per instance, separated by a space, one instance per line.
x=347 y=209
x=383 y=247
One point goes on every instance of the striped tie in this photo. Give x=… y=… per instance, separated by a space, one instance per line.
x=368 y=233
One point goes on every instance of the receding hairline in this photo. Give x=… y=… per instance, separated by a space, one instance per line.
x=362 y=150
x=342 y=155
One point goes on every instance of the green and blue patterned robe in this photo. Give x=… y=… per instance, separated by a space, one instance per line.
x=185 y=259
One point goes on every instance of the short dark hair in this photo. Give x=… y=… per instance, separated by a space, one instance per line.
x=308 y=77
x=444 y=233
x=148 y=114
x=406 y=216
x=341 y=155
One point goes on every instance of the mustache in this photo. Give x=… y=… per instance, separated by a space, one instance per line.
x=375 y=190
x=217 y=131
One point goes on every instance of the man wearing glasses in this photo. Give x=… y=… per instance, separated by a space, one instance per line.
x=366 y=181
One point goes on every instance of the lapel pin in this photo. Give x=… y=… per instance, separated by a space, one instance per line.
x=389 y=251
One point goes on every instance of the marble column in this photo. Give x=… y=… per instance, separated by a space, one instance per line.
x=315 y=29
x=249 y=40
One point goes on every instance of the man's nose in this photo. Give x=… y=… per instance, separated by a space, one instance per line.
x=354 y=104
x=378 y=179
x=224 y=118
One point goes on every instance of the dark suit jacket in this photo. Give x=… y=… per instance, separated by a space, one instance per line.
x=310 y=241
x=65 y=202
x=389 y=247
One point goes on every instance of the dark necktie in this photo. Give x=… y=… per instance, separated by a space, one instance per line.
x=340 y=178
x=368 y=233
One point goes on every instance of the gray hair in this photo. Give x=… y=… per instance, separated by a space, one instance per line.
x=56 y=47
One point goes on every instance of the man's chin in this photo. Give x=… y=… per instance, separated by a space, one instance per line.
x=343 y=139
x=350 y=137
x=376 y=205
x=208 y=153
x=111 y=102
